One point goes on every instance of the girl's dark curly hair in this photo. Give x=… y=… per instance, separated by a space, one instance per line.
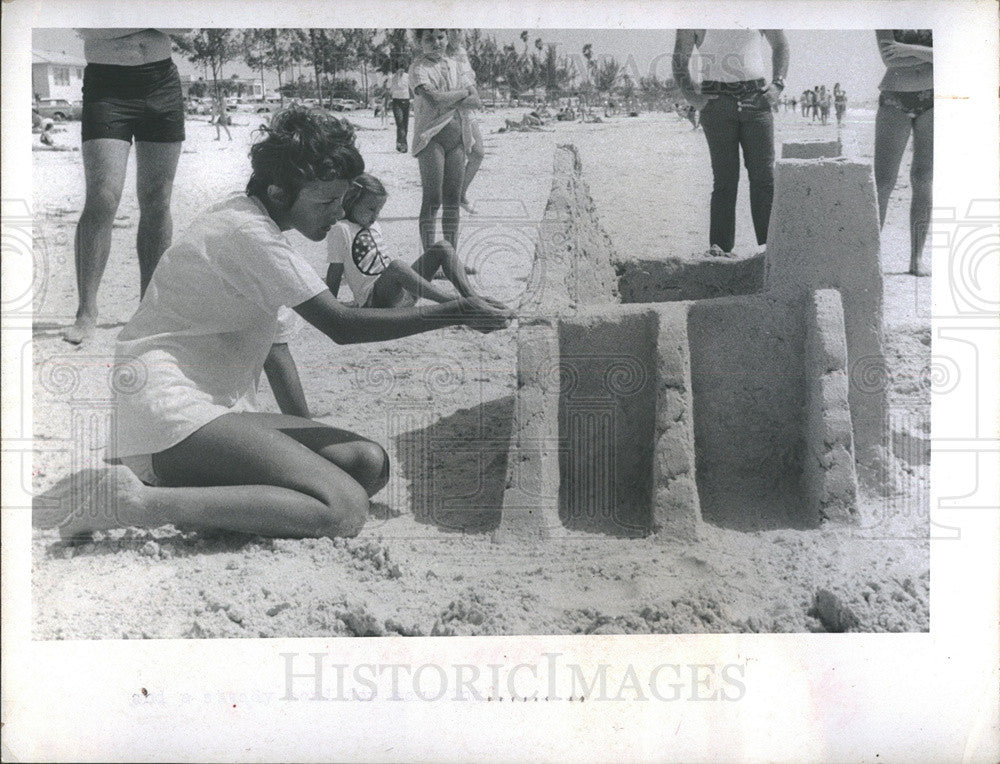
x=302 y=145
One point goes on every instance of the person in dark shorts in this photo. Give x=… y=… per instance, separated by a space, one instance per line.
x=131 y=91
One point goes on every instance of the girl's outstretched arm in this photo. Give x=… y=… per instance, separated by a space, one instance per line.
x=346 y=325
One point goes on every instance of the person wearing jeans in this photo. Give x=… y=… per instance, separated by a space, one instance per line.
x=399 y=91
x=735 y=101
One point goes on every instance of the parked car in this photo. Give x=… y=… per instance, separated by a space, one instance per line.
x=59 y=109
x=345 y=104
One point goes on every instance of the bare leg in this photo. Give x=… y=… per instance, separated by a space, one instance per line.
x=921 y=182
x=442 y=255
x=451 y=193
x=892 y=132
x=399 y=278
x=431 y=164
x=104 y=163
x=156 y=165
x=265 y=474
x=472 y=165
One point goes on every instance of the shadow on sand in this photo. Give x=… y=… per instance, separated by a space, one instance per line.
x=457 y=465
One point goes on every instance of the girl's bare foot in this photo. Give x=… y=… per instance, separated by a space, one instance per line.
x=81 y=331
x=467 y=206
x=99 y=500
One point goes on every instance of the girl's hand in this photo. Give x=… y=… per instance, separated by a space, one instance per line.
x=891 y=49
x=896 y=52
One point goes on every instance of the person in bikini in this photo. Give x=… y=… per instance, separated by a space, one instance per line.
x=442 y=139
x=905 y=108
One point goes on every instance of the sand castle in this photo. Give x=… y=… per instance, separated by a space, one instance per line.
x=655 y=395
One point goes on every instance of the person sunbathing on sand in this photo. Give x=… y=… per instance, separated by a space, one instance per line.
x=198 y=341
x=355 y=250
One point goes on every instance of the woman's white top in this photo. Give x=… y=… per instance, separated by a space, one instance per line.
x=195 y=348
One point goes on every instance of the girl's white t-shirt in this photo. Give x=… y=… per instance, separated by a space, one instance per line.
x=360 y=251
x=195 y=348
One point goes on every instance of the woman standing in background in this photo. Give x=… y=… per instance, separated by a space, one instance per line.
x=905 y=107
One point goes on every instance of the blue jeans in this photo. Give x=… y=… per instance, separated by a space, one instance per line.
x=729 y=124
x=401 y=114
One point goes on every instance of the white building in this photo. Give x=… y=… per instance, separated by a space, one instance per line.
x=56 y=75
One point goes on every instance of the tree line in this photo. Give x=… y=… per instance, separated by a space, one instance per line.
x=352 y=63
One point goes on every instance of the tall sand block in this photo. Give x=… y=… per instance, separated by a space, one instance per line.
x=531 y=491
x=676 y=510
x=829 y=478
x=814 y=149
x=823 y=234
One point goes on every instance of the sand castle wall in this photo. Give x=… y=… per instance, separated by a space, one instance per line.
x=607 y=365
x=675 y=279
x=824 y=234
x=829 y=480
x=748 y=382
x=814 y=149
x=712 y=400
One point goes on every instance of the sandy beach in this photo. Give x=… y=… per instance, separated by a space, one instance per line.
x=425 y=563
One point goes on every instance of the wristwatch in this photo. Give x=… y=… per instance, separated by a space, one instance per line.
x=779 y=82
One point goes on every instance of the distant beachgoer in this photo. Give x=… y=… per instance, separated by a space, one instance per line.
x=220 y=112
x=44 y=127
x=735 y=103
x=399 y=92
x=905 y=107
x=442 y=139
x=806 y=95
x=839 y=103
x=824 y=105
x=456 y=51
x=131 y=90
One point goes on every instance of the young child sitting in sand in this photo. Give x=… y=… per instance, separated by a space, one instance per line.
x=197 y=343
x=355 y=251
